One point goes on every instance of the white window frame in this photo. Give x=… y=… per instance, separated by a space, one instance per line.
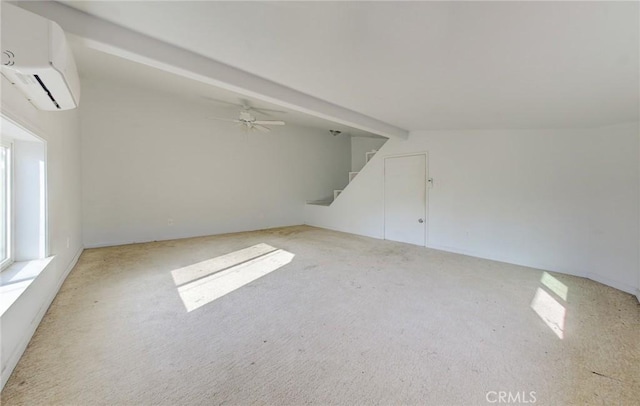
x=7 y=143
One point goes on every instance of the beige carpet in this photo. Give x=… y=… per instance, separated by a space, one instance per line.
x=340 y=319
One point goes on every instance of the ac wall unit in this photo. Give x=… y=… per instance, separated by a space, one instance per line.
x=37 y=60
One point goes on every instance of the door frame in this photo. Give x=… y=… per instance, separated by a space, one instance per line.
x=426 y=193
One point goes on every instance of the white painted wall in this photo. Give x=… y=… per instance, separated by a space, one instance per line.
x=560 y=200
x=60 y=131
x=360 y=146
x=148 y=158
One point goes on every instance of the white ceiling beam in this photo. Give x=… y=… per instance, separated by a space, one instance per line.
x=108 y=37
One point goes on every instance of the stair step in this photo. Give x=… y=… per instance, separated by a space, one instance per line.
x=369 y=155
x=336 y=193
x=320 y=202
x=352 y=175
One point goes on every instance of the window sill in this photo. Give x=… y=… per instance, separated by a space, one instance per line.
x=15 y=280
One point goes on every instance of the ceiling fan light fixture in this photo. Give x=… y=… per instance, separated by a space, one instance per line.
x=249 y=121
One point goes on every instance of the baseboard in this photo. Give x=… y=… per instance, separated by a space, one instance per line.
x=14 y=358
x=91 y=245
x=377 y=237
x=106 y=244
x=474 y=254
x=614 y=284
x=594 y=277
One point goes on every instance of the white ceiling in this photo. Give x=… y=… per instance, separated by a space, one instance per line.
x=421 y=65
x=96 y=65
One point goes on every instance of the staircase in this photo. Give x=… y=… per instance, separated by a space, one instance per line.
x=352 y=175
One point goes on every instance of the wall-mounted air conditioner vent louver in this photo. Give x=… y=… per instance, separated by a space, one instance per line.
x=44 y=87
x=37 y=60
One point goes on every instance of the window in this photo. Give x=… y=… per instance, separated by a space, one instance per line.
x=23 y=234
x=6 y=198
x=22 y=210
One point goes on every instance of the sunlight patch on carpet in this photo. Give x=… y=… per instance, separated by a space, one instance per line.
x=554 y=285
x=210 y=266
x=206 y=281
x=550 y=311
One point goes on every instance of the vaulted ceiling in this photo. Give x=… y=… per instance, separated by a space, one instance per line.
x=420 y=65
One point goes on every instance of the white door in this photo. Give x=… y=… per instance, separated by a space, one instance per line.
x=405 y=204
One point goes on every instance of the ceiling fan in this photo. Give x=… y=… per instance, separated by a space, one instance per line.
x=248 y=120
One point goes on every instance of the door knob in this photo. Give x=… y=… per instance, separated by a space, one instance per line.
x=420 y=221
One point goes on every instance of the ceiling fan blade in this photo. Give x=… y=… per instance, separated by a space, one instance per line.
x=258 y=111
x=261 y=128
x=224 y=119
x=246 y=105
x=269 y=122
x=264 y=111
